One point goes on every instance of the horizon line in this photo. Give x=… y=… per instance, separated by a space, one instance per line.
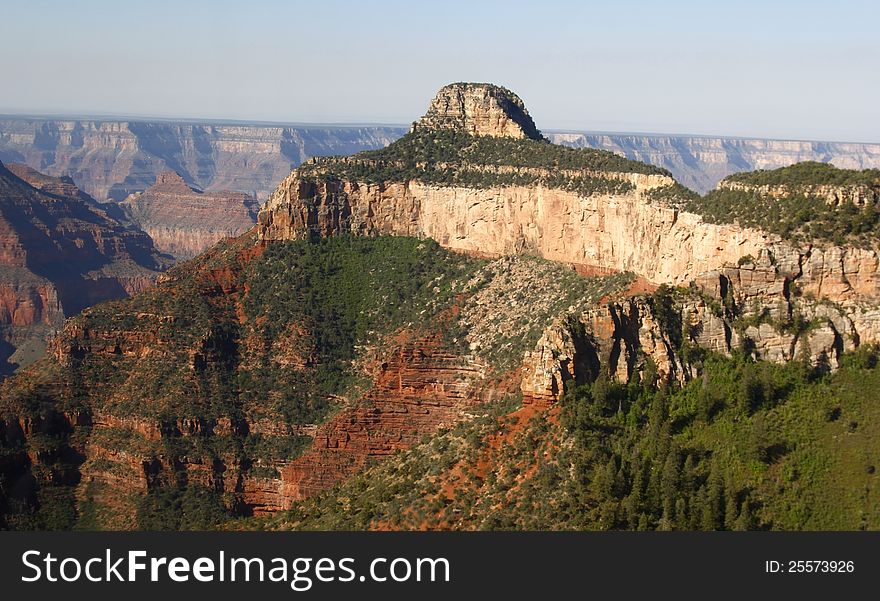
x=111 y=117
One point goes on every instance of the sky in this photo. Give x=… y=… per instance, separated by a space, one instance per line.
x=773 y=69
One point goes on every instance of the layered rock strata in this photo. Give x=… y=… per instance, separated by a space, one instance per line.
x=479 y=109
x=184 y=221
x=61 y=252
x=113 y=159
x=758 y=276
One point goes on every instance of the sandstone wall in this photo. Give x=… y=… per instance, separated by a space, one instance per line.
x=620 y=232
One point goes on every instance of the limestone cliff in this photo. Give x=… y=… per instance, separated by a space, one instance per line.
x=512 y=206
x=184 y=221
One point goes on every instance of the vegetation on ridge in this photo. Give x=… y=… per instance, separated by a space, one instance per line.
x=796 y=217
x=750 y=445
x=229 y=361
x=808 y=173
x=454 y=158
x=223 y=339
x=798 y=214
x=348 y=291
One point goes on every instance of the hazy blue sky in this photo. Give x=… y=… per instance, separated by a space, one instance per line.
x=789 y=69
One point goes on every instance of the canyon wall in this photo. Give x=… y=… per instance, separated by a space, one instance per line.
x=60 y=252
x=786 y=298
x=622 y=232
x=700 y=162
x=110 y=159
x=183 y=221
x=755 y=274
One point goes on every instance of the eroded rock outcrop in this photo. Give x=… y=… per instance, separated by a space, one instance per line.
x=184 y=221
x=418 y=387
x=480 y=109
x=772 y=283
x=60 y=251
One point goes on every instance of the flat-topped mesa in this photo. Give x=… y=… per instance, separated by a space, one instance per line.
x=479 y=109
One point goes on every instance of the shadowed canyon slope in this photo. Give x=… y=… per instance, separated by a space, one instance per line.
x=183 y=221
x=62 y=252
x=388 y=298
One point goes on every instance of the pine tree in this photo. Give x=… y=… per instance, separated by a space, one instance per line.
x=745 y=521
x=688 y=480
x=705 y=400
x=709 y=517
x=713 y=516
x=608 y=517
x=637 y=494
x=602 y=395
x=658 y=411
x=669 y=481
x=682 y=519
x=731 y=513
x=604 y=482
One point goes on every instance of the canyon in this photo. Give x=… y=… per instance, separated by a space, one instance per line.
x=62 y=252
x=184 y=221
x=110 y=159
x=385 y=298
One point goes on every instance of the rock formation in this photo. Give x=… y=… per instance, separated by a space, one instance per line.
x=276 y=365
x=700 y=162
x=479 y=109
x=184 y=221
x=637 y=227
x=61 y=252
x=112 y=159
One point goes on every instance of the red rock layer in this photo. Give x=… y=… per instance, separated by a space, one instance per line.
x=420 y=388
x=60 y=251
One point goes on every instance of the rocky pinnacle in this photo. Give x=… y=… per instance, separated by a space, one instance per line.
x=480 y=109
